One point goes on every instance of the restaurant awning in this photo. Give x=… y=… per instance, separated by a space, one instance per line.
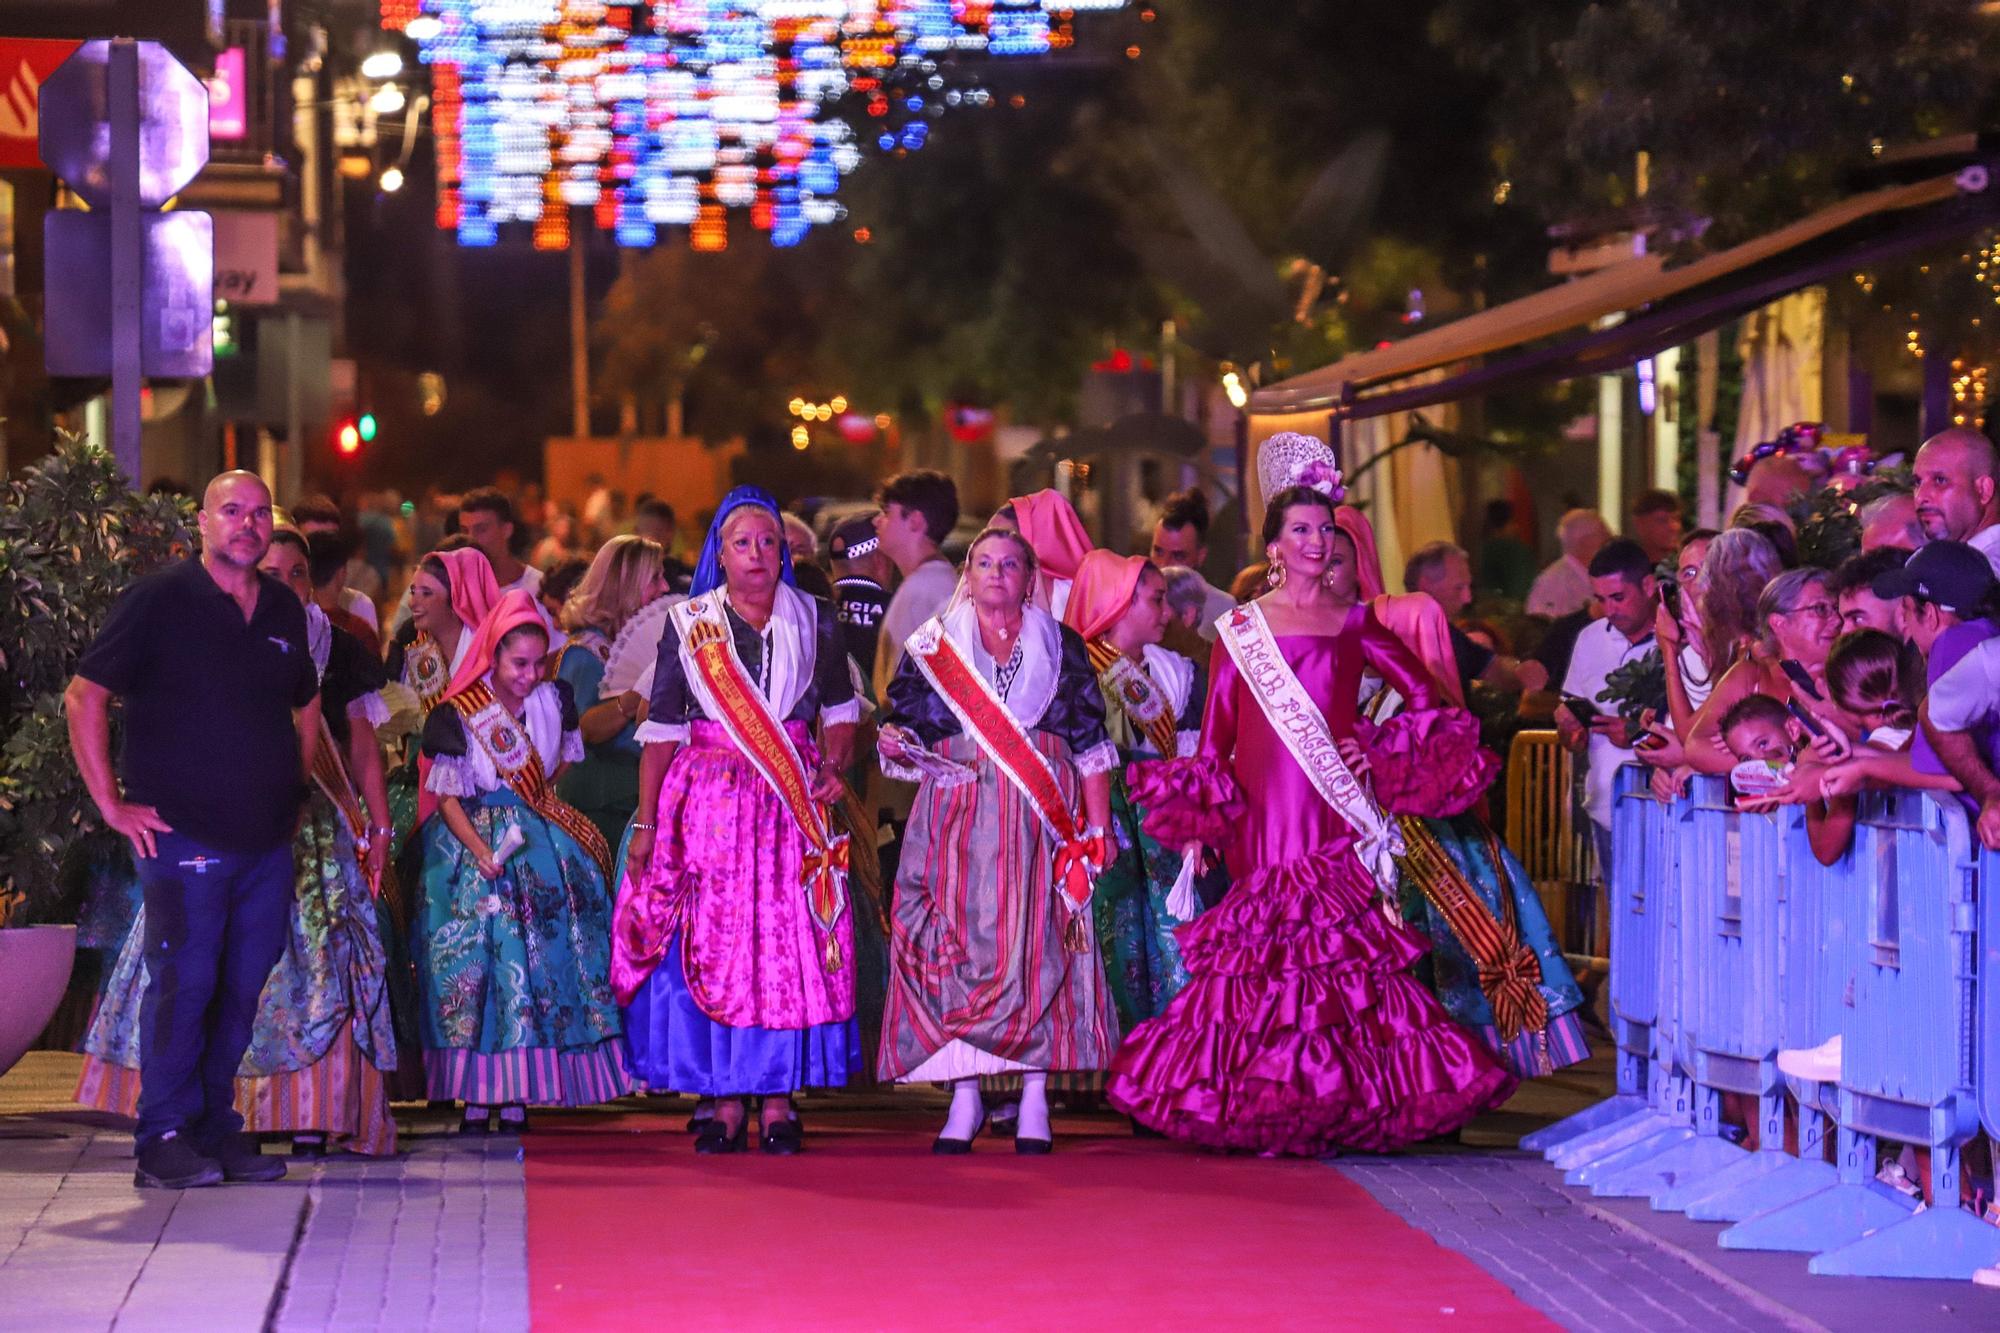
x=1666 y=305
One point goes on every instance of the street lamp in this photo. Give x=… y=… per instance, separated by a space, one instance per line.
x=392 y=179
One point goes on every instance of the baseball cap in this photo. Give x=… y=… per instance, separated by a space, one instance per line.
x=1952 y=575
x=854 y=537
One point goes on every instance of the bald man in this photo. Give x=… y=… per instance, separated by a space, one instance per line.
x=221 y=702
x=1958 y=496
x=1777 y=481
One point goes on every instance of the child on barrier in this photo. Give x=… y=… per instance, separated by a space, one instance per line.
x=1767 y=738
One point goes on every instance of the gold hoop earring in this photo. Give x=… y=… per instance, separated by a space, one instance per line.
x=1274 y=577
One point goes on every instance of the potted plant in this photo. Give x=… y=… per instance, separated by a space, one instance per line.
x=72 y=536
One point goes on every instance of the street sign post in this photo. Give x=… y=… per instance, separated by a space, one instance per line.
x=126 y=126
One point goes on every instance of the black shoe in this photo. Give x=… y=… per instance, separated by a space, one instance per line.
x=476 y=1124
x=945 y=1147
x=512 y=1124
x=172 y=1164
x=308 y=1145
x=1028 y=1147
x=244 y=1163
x=785 y=1138
x=715 y=1139
x=701 y=1117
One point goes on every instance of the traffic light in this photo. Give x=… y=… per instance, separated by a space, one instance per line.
x=366 y=427
x=348 y=439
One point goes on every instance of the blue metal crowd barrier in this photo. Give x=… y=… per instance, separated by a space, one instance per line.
x=1731 y=943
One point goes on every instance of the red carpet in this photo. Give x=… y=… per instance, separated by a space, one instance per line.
x=866 y=1230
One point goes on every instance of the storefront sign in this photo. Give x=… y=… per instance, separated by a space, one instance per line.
x=25 y=64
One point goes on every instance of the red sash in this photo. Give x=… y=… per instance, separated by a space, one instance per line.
x=985 y=718
x=762 y=739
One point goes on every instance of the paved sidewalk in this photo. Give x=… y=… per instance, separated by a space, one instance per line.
x=435 y=1237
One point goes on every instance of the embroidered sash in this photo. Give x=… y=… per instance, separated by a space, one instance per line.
x=742 y=711
x=507 y=743
x=427 y=671
x=1128 y=683
x=1510 y=976
x=985 y=718
x=1301 y=726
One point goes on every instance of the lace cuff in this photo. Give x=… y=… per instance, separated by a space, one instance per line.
x=452 y=775
x=572 y=747
x=1186 y=800
x=661 y=733
x=370 y=708
x=841 y=715
x=1427 y=763
x=1099 y=758
x=1187 y=744
x=897 y=772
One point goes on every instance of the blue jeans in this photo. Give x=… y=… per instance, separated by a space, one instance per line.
x=215 y=927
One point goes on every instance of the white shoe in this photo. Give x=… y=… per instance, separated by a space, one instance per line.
x=1821 y=1064
x=1987 y=1277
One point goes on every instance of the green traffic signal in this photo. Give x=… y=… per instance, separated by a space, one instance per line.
x=367 y=425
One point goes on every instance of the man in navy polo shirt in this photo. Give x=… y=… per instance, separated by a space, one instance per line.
x=210 y=659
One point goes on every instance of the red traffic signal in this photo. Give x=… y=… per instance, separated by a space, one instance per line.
x=348 y=439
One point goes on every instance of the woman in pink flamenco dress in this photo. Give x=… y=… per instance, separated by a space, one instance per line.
x=1301 y=1029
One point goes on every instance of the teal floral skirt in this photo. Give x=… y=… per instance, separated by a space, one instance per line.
x=513 y=973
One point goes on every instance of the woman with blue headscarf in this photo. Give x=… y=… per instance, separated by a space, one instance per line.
x=732 y=945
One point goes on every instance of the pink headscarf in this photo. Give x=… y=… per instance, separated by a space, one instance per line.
x=1105 y=584
x=474 y=590
x=1418 y=620
x=1054 y=531
x=513 y=610
x=1367 y=558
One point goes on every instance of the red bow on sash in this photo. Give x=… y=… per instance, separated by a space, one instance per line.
x=1079 y=855
x=743 y=712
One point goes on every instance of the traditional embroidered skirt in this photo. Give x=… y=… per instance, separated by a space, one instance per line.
x=513 y=972
x=980 y=979
x=322 y=1046
x=1454 y=976
x=728 y=971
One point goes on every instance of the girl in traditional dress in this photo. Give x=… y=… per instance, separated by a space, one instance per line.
x=1301 y=1029
x=513 y=933
x=1152 y=702
x=1494 y=962
x=322 y=1043
x=733 y=950
x=627 y=575
x=995 y=711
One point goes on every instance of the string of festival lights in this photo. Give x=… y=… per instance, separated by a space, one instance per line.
x=672 y=113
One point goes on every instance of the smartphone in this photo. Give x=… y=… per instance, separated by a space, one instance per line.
x=1583 y=710
x=1795 y=672
x=1806 y=719
x=1670 y=594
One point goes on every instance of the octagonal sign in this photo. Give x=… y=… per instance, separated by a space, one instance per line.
x=76 y=124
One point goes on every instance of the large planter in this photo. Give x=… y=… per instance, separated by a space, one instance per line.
x=35 y=962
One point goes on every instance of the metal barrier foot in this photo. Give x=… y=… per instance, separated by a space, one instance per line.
x=1614 y=1137
x=1591 y=1118
x=1723 y=1183
x=1823 y=1221
x=1936 y=1243
x=1632 y=1154
x=1696 y=1158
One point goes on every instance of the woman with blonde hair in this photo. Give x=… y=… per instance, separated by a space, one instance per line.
x=627 y=575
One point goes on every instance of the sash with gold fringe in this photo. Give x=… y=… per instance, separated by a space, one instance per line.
x=519 y=764
x=742 y=711
x=1510 y=975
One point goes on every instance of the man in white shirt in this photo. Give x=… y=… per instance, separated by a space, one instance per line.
x=1958 y=494
x=919 y=510
x=1621 y=578
x=1563 y=588
x=1181 y=538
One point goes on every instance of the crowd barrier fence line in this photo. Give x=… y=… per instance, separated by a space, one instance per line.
x=1730 y=943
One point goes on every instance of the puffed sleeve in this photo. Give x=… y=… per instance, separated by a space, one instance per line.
x=572 y=737
x=444 y=744
x=667 y=713
x=839 y=705
x=1077 y=712
x=1194 y=798
x=1426 y=760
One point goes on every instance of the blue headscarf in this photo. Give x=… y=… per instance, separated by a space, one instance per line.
x=708 y=572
